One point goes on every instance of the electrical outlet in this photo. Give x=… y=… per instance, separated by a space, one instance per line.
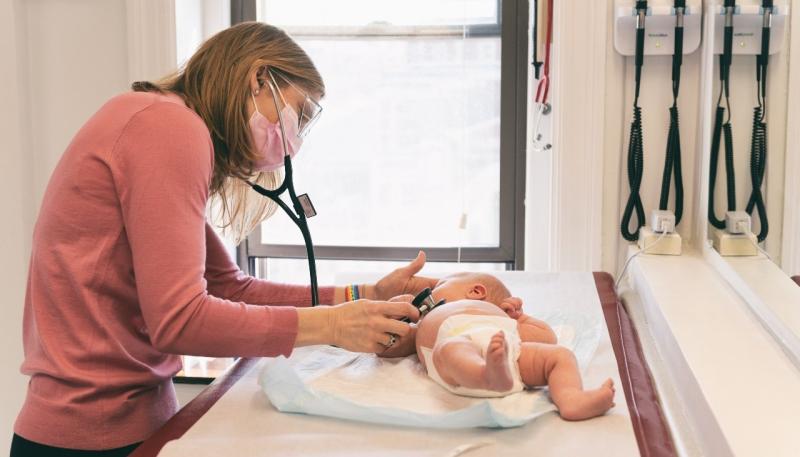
x=737 y=222
x=662 y=221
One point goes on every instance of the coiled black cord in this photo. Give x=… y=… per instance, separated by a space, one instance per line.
x=672 y=160
x=712 y=178
x=758 y=143
x=635 y=143
x=758 y=165
x=722 y=126
x=672 y=166
x=635 y=172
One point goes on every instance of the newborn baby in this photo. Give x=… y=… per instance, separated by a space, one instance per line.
x=480 y=344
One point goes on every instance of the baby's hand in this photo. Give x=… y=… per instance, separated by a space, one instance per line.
x=512 y=306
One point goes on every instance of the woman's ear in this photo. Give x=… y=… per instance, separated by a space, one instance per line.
x=477 y=292
x=258 y=79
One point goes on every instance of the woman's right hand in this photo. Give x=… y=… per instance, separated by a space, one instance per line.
x=367 y=325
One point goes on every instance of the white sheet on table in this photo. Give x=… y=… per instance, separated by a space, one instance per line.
x=244 y=423
x=332 y=382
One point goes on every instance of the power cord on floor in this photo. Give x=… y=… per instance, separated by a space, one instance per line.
x=630 y=259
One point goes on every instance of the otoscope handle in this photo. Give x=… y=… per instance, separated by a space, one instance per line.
x=639 y=47
x=677 y=57
x=765 y=32
x=641 y=14
x=726 y=57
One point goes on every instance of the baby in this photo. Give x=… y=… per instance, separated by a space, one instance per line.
x=481 y=344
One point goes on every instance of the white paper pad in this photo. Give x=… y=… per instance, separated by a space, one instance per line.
x=333 y=382
x=244 y=423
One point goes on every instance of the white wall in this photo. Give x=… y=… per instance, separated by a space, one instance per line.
x=14 y=206
x=564 y=210
x=77 y=59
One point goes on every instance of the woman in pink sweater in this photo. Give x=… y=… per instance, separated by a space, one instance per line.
x=126 y=274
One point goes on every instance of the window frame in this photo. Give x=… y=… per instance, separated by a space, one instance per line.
x=513 y=30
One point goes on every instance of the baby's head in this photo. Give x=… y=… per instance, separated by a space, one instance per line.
x=472 y=286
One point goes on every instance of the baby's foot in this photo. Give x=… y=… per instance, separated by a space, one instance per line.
x=497 y=374
x=588 y=403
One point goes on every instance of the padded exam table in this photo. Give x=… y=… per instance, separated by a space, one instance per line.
x=233 y=416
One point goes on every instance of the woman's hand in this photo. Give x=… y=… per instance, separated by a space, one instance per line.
x=402 y=281
x=368 y=326
x=406 y=344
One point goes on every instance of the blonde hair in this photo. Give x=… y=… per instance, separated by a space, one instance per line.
x=215 y=83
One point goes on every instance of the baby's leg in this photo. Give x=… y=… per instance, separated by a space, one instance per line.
x=460 y=363
x=541 y=364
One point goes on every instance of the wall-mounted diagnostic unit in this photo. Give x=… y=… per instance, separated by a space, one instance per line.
x=656 y=28
x=742 y=28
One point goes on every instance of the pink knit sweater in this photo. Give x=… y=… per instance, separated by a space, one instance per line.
x=125 y=274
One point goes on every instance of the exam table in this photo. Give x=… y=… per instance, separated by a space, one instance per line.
x=637 y=427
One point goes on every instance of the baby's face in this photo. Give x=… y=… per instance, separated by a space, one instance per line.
x=459 y=286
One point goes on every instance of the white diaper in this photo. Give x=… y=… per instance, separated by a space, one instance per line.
x=479 y=329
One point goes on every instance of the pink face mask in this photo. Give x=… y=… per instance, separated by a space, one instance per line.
x=267 y=138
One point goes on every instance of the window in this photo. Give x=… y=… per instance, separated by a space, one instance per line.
x=422 y=134
x=420 y=144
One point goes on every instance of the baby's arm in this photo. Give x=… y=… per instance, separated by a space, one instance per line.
x=530 y=330
x=535 y=331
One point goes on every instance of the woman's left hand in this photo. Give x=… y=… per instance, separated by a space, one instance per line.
x=406 y=344
x=402 y=281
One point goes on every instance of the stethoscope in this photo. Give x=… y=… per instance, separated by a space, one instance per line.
x=303 y=208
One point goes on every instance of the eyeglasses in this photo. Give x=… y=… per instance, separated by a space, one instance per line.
x=309 y=111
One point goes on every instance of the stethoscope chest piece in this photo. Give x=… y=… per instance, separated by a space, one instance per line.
x=424 y=302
